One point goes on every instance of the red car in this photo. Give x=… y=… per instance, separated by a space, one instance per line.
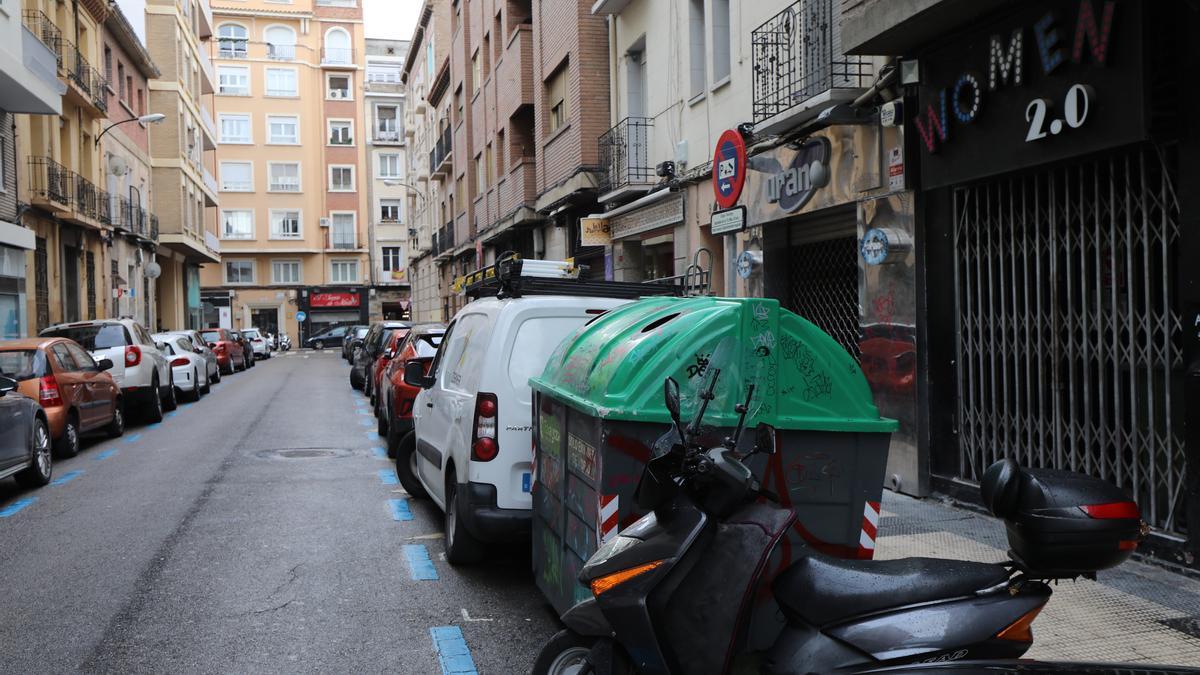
x=395 y=400
x=391 y=346
x=230 y=354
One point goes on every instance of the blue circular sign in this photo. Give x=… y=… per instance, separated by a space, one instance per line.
x=874 y=246
x=300 y=316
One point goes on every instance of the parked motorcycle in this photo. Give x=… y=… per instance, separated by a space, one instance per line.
x=285 y=342
x=675 y=592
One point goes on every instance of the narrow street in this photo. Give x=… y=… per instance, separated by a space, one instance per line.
x=249 y=532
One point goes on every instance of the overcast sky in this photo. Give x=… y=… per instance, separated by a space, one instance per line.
x=383 y=18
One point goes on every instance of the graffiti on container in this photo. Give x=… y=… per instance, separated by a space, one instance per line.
x=551 y=473
x=699 y=367
x=764 y=339
x=602 y=373
x=551 y=561
x=817 y=383
x=580 y=538
x=630 y=447
x=581 y=457
x=819 y=386
x=551 y=435
x=761 y=312
x=814 y=473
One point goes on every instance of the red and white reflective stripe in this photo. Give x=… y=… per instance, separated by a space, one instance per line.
x=870 y=525
x=608 y=517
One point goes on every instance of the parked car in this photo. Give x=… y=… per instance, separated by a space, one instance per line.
x=228 y=350
x=395 y=398
x=247 y=351
x=259 y=348
x=372 y=346
x=353 y=339
x=76 y=392
x=139 y=368
x=327 y=338
x=189 y=370
x=24 y=438
x=469 y=448
x=212 y=365
x=374 y=373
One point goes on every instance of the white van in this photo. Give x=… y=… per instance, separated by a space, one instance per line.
x=471 y=448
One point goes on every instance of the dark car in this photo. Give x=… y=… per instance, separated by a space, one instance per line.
x=372 y=346
x=354 y=338
x=394 y=403
x=331 y=337
x=247 y=349
x=24 y=437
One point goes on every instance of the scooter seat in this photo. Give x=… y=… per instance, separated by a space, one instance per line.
x=822 y=590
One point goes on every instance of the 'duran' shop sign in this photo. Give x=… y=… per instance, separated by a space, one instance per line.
x=1042 y=82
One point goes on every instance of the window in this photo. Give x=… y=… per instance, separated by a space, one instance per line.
x=338 y=86
x=284 y=130
x=391 y=257
x=341 y=132
x=341 y=178
x=488 y=165
x=389 y=210
x=344 y=272
x=476 y=74
x=458 y=106
x=282 y=82
x=237 y=177
x=237 y=224
x=284 y=176
x=285 y=224
x=720 y=29
x=122 y=93
x=235 y=128
x=285 y=271
x=480 y=178
x=239 y=271
x=696 y=49
x=383 y=73
x=281 y=43
x=108 y=64
x=342 y=231
x=387 y=126
x=389 y=165
x=556 y=97
x=337 y=46
x=233 y=80
x=141 y=102
x=232 y=40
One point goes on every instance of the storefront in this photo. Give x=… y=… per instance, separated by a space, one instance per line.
x=1052 y=186
x=325 y=308
x=15 y=243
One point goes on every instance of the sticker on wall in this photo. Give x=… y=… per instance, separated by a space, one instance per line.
x=748 y=262
x=874 y=246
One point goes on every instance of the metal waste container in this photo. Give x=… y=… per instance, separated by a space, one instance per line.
x=598 y=411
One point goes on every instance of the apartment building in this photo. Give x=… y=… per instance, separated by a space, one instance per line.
x=29 y=85
x=386 y=179
x=63 y=173
x=293 y=217
x=128 y=181
x=182 y=151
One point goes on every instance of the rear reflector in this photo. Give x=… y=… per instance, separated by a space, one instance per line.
x=1112 y=510
x=1021 y=630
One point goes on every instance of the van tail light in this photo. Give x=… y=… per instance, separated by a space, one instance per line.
x=133 y=355
x=179 y=362
x=484 y=447
x=1112 y=510
x=608 y=581
x=48 y=392
x=1021 y=630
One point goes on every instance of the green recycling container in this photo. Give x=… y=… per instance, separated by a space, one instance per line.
x=599 y=411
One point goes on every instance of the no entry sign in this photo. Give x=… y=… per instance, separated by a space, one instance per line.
x=729 y=168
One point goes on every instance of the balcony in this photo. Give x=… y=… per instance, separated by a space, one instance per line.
x=440 y=158
x=86 y=86
x=66 y=194
x=799 y=67
x=209 y=127
x=206 y=19
x=341 y=240
x=281 y=52
x=515 y=73
x=443 y=241
x=131 y=218
x=233 y=48
x=386 y=134
x=208 y=79
x=284 y=184
x=211 y=183
x=625 y=157
x=337 y=57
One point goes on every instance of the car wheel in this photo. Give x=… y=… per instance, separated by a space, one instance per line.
x=42 y=468
x=381 y=423
x=194 y=394
x=67 y=445
x=117 y=426
x=405 y=452
x=216 y=378
x=319 y=345
x=171 y=402
x=154 y=413
x=462 y=548
x=355 y=383
x=207 y=384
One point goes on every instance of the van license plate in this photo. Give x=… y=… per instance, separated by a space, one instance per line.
x=525 y=482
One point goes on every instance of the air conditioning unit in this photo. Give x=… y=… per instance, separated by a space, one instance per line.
x=323 y=222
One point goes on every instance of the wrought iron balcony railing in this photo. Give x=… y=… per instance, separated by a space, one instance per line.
x=337 y=56
x=233 y=48
x=87 y=197
x=798 y=55
x=50 y=180
x=45 y=30
x=281 y=52
x=625 y=154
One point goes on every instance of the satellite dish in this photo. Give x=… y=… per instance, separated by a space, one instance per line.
x=117 y=165
x=153 y=270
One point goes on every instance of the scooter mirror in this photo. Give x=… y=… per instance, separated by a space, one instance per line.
x=764 y=438
x=671 y=398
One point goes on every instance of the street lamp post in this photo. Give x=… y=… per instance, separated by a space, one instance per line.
x=152 y=118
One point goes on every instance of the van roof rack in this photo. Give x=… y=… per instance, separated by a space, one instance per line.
x=513 y=277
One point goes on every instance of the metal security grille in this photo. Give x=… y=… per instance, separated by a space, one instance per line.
x=1069 y=335
x=41 y=282
x=823 y=288
x=91 y=284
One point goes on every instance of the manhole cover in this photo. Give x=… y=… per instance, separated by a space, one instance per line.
x=302 y=453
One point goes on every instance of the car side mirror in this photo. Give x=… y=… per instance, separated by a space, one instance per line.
x=764 y=438
x=414 y=375
x=212 y=345
x=7 y=384
x=104 y=364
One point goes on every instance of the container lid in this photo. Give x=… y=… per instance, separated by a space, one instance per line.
x=614 y=366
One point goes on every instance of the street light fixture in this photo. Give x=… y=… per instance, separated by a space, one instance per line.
x=152 y=118
x=392 y=182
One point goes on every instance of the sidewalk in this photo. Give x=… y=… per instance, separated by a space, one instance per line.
x=1134 y=613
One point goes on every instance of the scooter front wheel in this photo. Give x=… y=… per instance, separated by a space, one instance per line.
x=567 y=654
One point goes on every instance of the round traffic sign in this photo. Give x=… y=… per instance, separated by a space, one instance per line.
x=300 y=316
x=729 y=168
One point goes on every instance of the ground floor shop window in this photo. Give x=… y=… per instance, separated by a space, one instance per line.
x=823 y=287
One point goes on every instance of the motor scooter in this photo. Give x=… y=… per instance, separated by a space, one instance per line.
x=674 y=592
x=285 y=342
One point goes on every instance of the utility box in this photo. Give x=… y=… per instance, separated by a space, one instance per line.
x=599 y=412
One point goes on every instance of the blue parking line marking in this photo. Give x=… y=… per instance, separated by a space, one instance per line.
x=106 y=454
x=66 y=477
x=364 y=412
x=399 y=508
x=172 y=413
x=132 y=439
x=380 y=452
x=16 y=506
x=452 y=650
x=372 y=436
x=419 y=564
x=155 y=424
x=366 y=423
x=388 y=477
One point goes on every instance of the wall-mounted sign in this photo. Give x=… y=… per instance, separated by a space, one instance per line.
x=729 y=168
x=1051 y=80
x=594 y=232
x=792 y=186
x=831 y=168
x=333 y=300
x=729 y=220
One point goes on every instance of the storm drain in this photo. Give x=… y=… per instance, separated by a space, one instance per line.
x=303 y=453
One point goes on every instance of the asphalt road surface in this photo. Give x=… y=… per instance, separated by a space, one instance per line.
x=251 y=532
